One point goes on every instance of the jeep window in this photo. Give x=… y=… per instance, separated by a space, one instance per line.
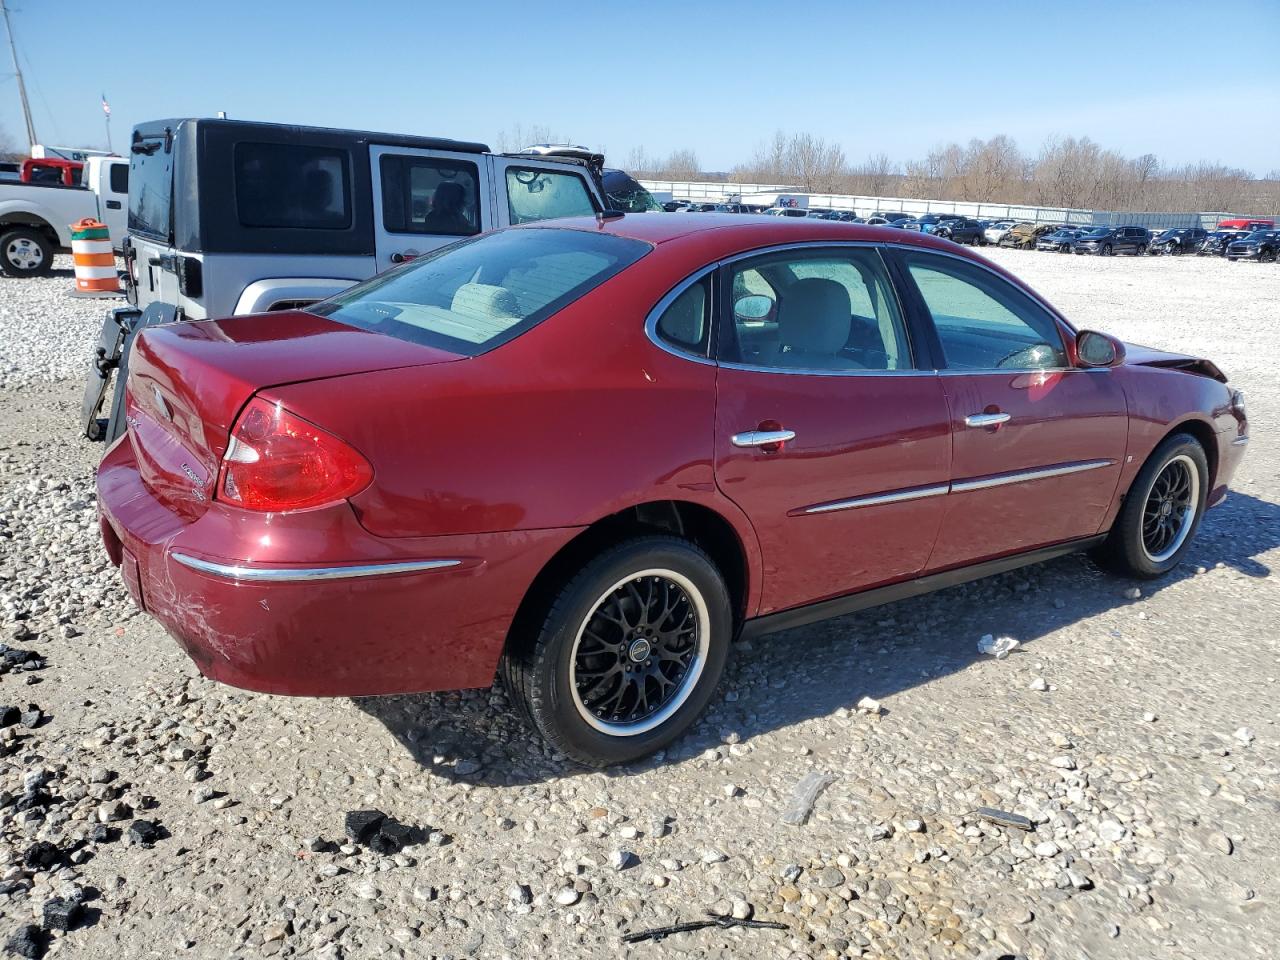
x=292 y=185
x=150 y=200
x=118 y=178
x=430 y=195
x=477 y=294
x=543 y=194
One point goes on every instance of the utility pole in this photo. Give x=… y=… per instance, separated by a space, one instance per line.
x=17 y=72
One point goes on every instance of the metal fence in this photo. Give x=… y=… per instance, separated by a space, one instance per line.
x=870 y=206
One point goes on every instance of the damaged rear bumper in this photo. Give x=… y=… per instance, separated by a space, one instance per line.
x=310 y=603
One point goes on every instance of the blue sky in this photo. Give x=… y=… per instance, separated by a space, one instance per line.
x=893 y=77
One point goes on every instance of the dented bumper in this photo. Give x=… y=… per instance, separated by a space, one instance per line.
x=310 y=603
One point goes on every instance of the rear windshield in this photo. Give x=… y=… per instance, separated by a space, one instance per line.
x=477 y=294
x=151 y=183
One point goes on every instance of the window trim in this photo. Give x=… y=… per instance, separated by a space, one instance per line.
x=817 y=246
x=425 y=159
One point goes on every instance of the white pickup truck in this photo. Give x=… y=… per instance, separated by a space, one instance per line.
x=36 y=218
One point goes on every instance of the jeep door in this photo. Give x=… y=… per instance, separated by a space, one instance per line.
x=424 y=199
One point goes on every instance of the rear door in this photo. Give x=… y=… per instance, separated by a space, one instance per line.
x=112 y=189
x=424 y=199
x=827 y=434
x=1037 y=444
x=527 y=190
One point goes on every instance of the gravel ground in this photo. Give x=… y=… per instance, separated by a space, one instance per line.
x=159 y=815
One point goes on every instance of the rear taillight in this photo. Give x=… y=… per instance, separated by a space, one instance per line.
x=278 y=461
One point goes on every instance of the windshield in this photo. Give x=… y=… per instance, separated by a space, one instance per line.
x=477 y=294
x=1263 y=235
x=1098 y=232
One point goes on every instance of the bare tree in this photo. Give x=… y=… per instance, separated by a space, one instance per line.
x=680 y=165
x=9 y=147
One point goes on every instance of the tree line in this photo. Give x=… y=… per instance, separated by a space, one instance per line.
x=1064 y=172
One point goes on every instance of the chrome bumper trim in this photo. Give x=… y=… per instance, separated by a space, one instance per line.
x=1023 y=476
x=1239 y=441
x=295 y=574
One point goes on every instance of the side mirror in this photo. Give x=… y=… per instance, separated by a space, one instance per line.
x=754 y=307
x=1098 y=349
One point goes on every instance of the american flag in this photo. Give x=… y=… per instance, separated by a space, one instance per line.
x=106 y=107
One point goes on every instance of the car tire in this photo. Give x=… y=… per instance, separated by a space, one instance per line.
x=1141 y=251
x=598 y=621
x=1106 y=251
x=1149 y=539
x=25 y=252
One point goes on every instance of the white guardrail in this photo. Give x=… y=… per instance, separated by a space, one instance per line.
x=708 y=192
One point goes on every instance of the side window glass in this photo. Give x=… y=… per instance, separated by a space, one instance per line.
x=292 y=185
x=684 y=323
x=543 y=194
x=429 y=195
x=983 y=321
x=118 y=178
x=815 y=310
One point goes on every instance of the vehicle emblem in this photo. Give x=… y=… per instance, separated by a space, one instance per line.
x=162 y=404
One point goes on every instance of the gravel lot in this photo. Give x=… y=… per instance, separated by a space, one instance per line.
x=1138 y=735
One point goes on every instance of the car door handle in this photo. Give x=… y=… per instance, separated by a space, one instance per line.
x=987 y=419
x=762 y=438
x=113 y=204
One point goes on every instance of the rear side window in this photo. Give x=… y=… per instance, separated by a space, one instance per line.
x=475 y=295
x=544 y=194
x=118 y=178
x=291 y=185
x=150 y=201
x=685 y=322
x=430 y=195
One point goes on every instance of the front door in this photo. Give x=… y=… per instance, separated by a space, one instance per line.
x=1038 y=445
x=528 y=190
x=424 y=199
x=827 y=435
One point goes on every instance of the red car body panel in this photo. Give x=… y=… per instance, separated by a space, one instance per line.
x=495 y=463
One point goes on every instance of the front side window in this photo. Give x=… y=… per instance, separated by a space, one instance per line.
x=984 y=322
x=477 y=294
x=429 y=195
x=545 y=194
x=292 y=186
x=815 y=310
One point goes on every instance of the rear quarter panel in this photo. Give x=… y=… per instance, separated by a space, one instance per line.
x=577 y=419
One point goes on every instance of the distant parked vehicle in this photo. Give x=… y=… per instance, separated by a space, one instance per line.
x=996 y=231
x=892 y=218
x=36 y=217
x=962 y=230
x=1178 y=240
x=1261 y=245
x=671 y=206
x=1246 y=223
x=929 y=222
x=1108 y=241
x=622 y=192
x=1216 y=243
x=1061 y=240
x=1023 y=236
x=787 y=212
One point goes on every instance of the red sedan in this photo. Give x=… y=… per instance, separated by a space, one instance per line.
x=589 y=454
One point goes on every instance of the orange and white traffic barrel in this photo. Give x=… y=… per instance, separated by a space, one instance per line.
x=95 y=263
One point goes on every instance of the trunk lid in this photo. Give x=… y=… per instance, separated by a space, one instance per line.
x=188 y=382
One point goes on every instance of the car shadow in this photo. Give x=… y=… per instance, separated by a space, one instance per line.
x=477 y=737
